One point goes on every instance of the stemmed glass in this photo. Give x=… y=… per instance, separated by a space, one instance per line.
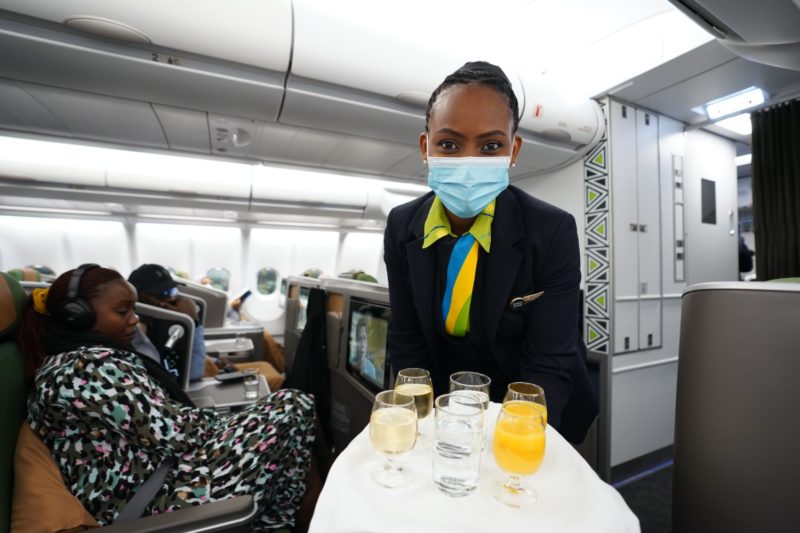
x=392 y=432
x=527 y=392
x=518 y=447
x=416 y=382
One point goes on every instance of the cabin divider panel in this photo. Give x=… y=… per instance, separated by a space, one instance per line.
x=597 y=323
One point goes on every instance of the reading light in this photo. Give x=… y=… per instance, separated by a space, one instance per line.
x=752 y=96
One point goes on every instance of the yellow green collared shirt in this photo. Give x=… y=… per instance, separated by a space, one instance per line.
x=462 y=265
x=437 y=225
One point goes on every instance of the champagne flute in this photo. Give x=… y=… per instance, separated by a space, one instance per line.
x=474 y=382
x=527 y=392
x=518 y=447
x=392 y=432
x=416 y=382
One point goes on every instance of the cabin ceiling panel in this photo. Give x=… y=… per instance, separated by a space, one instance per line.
x=535 y=157
x=185 y=129
x=271 y=141
x=410 y=167
x=20 y=111
x=105 y=118
x=312 y=147
x=678 y=99
x=694 y=63
x=368 y=155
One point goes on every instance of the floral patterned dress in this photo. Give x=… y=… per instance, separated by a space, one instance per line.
x=109 y=425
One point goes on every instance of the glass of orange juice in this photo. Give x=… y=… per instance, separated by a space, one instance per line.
x=527 y=392
x=518 y=447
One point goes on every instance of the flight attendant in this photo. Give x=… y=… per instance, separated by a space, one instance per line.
x=483 y=276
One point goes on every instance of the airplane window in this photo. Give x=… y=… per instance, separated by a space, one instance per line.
x=220 y=278
x=267 y=280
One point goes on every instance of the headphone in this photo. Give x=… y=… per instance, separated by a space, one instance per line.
x=76 y=313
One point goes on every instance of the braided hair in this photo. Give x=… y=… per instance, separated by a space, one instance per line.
x=485 y=74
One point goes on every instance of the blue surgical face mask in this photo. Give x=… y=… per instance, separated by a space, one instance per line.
x=466 y=185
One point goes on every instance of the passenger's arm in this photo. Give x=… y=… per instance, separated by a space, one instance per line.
x=198 y=362
x=407 y=345
x=121 y=395
x=552 y=334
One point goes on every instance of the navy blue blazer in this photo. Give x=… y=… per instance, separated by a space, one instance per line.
x=534 y=248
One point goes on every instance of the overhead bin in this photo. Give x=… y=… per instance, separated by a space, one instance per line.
x=277 y=187
x=210 y=78
x=183 y=175
x=51 y=162
x=353 y=78
x=250 y=32
x=559 y=115
x=169 y=74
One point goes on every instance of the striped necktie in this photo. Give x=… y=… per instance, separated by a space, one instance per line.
x=460 y=280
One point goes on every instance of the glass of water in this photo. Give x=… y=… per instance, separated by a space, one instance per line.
x=250 y=384
x=458 y=444
x=473 y=382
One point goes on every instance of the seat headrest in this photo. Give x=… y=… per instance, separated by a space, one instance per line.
x=12 y=301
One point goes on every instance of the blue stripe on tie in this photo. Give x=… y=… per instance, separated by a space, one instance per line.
x=457 y=258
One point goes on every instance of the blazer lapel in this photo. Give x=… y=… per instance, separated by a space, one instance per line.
x=422 y=272
x=503 y=261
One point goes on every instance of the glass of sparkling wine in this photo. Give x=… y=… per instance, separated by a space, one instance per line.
x=518 y=447
x=392 y=432
x=527 y=392
x=416 y=382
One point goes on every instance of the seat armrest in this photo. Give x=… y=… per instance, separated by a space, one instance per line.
x=232 y=515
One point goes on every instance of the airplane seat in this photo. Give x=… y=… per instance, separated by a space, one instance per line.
x=159 y=321
x=233 y=516
x=309 y=371
x=13 y=389
x=291 y=338
x=28 y=286
x=216 y=301
x=201 y=306
x=736 y=464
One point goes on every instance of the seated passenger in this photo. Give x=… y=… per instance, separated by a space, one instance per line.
x=110 y=417
x=156 y=287
x=273 y=352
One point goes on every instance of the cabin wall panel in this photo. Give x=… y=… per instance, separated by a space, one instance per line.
x=643 y=410
x=191 y=249
x=62 y=244
x=362 y=251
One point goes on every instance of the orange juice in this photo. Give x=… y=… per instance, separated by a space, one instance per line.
x=514 y=408
x=518 y=443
